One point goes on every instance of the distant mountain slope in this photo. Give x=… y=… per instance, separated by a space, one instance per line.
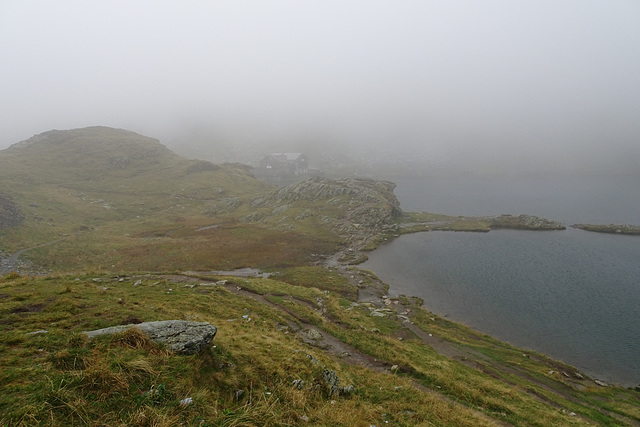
x=96 y=158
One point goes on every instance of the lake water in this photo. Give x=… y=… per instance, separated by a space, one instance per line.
x=573 y=295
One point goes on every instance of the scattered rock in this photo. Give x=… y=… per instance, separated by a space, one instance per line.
x=41 y=331
x=299 y=384
x=312 y=358
x=314 y=335
x=238 y=394
x=180 y=336
x=332 y=380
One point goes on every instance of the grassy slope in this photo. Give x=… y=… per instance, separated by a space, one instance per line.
x=59 y=377
x=115 y=202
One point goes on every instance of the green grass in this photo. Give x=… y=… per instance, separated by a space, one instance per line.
x=60 y=377
x=318 y=277
x=113 y=200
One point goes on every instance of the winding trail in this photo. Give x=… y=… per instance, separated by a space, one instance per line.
x=12 y=262
x=337 y=348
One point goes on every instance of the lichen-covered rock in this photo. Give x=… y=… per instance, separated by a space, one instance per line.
x=180 y=336
x=332 y=380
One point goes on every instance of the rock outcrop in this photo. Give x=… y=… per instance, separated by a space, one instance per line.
x=357 y=209
x=180 y=336
x=331 y=380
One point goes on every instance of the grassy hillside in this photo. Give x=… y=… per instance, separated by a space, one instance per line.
x=263 y=349
x=110 y=198
x=126 y=231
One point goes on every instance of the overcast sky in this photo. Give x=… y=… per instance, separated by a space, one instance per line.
x=444 y=76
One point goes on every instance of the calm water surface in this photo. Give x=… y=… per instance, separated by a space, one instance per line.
x=571 y=294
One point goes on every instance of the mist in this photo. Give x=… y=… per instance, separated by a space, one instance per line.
x=455 y=86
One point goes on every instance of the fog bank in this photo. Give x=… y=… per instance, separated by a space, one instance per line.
x=462 y=86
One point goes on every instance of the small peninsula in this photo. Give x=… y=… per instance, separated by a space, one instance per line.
x=633 y=230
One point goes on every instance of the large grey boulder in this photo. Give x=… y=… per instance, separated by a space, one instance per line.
x=180 y=336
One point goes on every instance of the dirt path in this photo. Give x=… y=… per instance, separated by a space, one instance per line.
x=337 y=349
x=13 y=263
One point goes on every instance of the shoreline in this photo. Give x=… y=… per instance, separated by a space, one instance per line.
x=444 y=226
x=375 y=293
x=625 y=229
